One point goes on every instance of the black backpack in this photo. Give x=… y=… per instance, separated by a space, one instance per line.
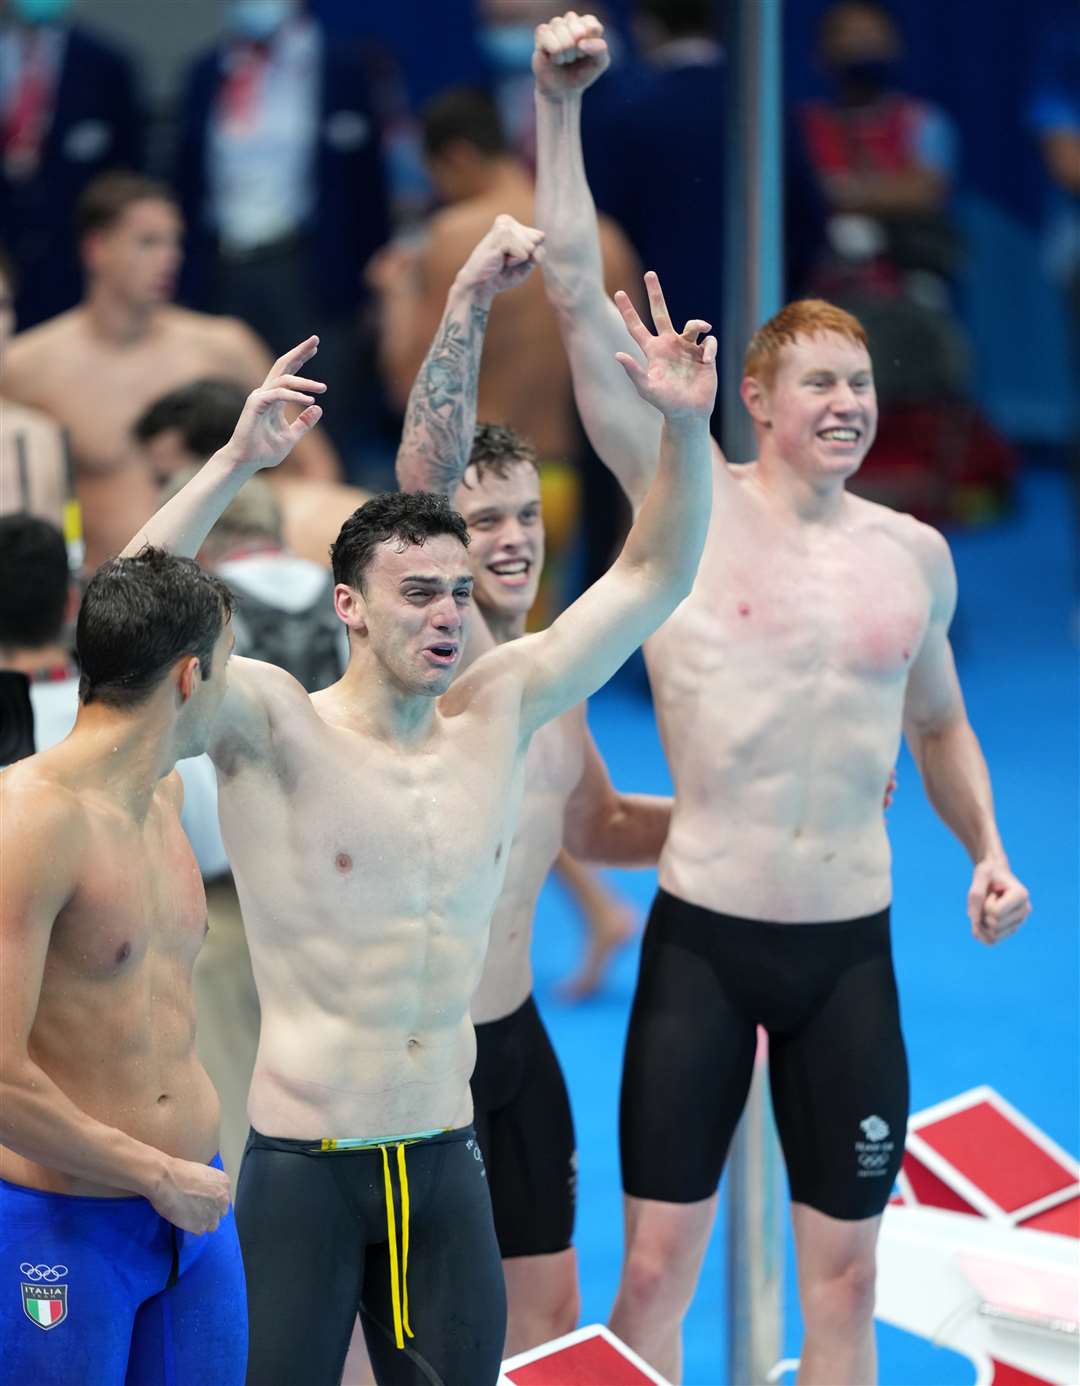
x=307 y=643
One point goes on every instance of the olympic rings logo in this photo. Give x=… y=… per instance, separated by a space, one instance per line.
x=873 y=1161
x=48 y=1273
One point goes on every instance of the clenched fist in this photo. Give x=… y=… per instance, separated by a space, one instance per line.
x=571 y=53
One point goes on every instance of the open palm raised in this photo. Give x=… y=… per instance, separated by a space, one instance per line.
x=263 y=435
x=679 y=374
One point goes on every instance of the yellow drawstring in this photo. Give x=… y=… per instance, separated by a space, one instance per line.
x=403 y=1185
x=400 y=1299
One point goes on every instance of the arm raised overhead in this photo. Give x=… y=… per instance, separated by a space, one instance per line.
x=570 y=55
x=579 y=652
x=440 y=417
x=263 y=438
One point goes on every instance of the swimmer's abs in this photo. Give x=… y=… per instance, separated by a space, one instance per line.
x=783 y=874
x=302 y=1093
x=179 y=1118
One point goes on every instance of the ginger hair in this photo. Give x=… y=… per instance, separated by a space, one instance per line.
x=806 y=317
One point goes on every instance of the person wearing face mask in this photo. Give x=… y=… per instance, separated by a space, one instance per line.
x=881 y=155
x=282 y=184
x=69 y=110
x=884 y=161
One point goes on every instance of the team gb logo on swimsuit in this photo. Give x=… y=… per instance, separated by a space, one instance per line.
x=44 y=1302
x=874 y=1129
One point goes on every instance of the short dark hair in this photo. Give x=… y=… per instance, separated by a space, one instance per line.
x=107 y=197
x=410 y=517
x=138 y=617
x=681 y=18
x=496 y=448
x=204 y=413
x=34 y=582
x=463 y=113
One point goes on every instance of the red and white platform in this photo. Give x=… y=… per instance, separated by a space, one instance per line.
x=590 y=1356
x=980 y=1250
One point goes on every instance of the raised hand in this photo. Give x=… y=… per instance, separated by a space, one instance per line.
x=570 y=54
x=504 y=258
x=998 y=903
x=263 y=437
x=679 y=375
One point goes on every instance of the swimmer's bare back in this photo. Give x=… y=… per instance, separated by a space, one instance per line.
x=102 y=913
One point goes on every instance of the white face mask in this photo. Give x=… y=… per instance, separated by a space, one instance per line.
x=258 y=20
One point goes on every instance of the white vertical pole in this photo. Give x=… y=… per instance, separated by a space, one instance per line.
x=753 y=287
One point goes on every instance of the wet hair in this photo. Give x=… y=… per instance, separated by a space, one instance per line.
x=108 y=197
x=34 y=582
x=468 y=114
x=681 y=18
x=496 y=448
x=806 y=317
x=204 y=413
x=138 y=617
x=409 y=517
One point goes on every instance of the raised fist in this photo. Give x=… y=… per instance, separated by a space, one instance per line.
x=503 y=259
x=570 y=54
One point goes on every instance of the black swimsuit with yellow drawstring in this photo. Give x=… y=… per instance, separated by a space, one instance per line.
x=399 y=1231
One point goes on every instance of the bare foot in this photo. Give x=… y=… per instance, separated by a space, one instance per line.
x=611 y=923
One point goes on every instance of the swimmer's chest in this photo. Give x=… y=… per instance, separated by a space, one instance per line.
x=140 y=893
x=98 y=403
x=857 y=607
x=405 y=826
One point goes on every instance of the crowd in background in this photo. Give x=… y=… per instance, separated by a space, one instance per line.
x=311 y=173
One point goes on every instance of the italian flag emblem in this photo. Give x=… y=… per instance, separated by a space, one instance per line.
x=45 y=1305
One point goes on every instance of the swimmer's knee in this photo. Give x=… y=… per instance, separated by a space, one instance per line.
x=841 y=1297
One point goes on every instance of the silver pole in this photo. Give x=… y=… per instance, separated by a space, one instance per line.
x=753 y=283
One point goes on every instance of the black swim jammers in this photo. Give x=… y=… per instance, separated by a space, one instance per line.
x=826 y=994
x=400 y=1232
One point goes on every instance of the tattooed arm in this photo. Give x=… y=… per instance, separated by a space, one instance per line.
x=440 y=417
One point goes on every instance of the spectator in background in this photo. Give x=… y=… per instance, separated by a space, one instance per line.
x=477 y=178
x=282 y=185
x=33 y=474
x=1054 y=115
x=39 y=681
x=885 y=159
x=186 y=426
x=68 y=111
x=885 y=162
x=95 y=367
x=642 y=116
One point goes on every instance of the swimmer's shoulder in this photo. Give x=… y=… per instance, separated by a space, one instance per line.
x=228 y=346
x=43 y=810
x=494 y=683
x=925 y=545
x=30 y=357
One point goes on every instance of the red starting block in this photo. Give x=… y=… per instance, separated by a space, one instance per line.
x=590 y=1356
x=979 y=1252
x=977 y=1154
